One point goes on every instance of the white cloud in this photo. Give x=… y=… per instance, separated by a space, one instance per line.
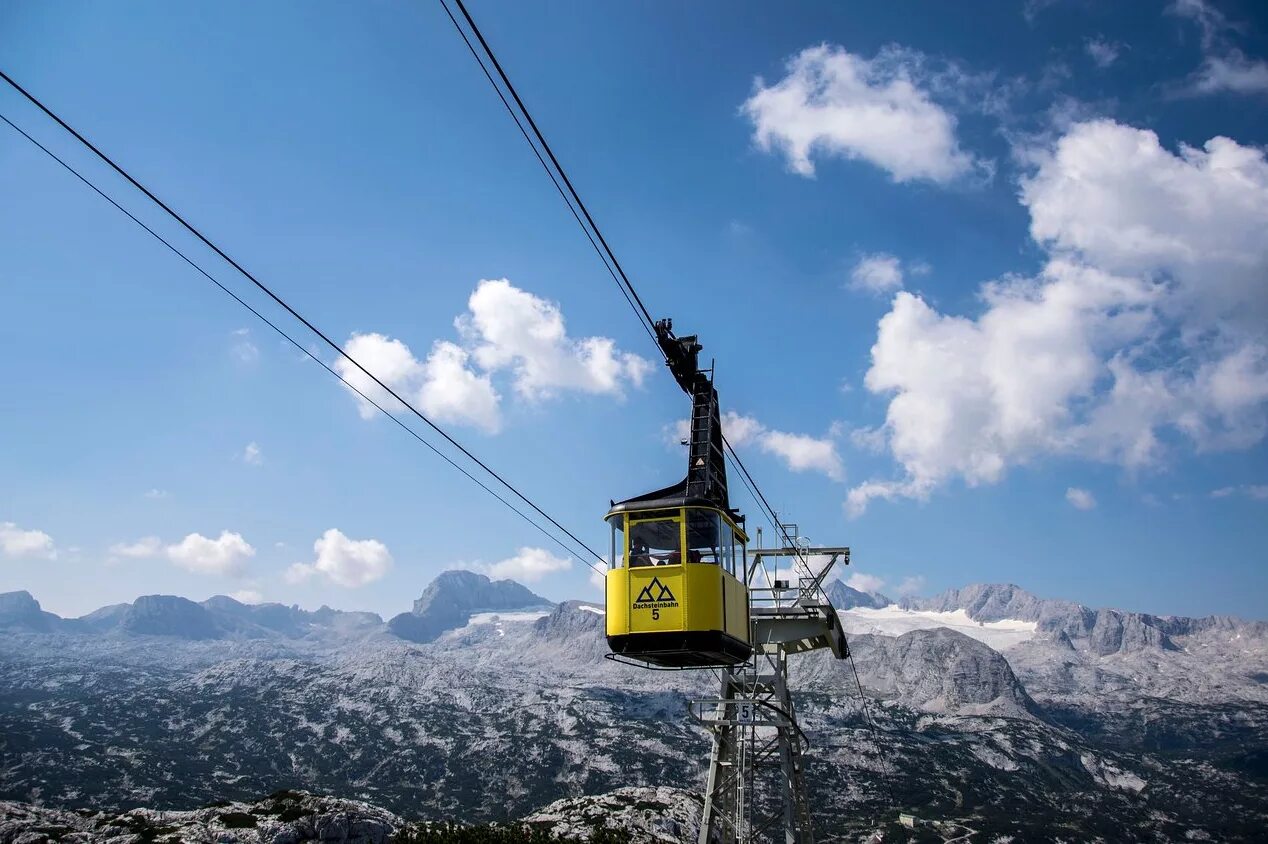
x=833 y=102
x=344 y=561
x=16 y=542
x=247 y=596
x=157 y=494
x=911 y=585
x=598 y=578
x=865 y=582
x=1232 y=72
x=799 y=452
x=146 y=546
x=739 y=430
x=504 y=330
x=299 y=572
x=527 y=566
x=252 y=456
x=1112 y=194
x=1259 y=492
x=226 y=555
x=802 y=453
x=443 y=386
x=1103 y=53
x=1080 y=499
x=877 y=273
x=243 y=348
x=451 y=391
x=1149 y=315
x=511 y=329
x=1224 y=67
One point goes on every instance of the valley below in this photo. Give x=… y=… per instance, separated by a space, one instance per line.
x=989 y=713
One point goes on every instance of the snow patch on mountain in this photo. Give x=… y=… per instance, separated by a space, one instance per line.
x=893 y=620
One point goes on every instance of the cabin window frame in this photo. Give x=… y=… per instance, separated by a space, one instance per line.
x=679 y=519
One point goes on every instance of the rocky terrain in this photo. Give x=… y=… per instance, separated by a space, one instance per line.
x=990 y=709
x=631 y=814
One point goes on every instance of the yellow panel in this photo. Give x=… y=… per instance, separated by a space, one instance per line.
x=657 y=597
x=618 y=606
x=704 y=590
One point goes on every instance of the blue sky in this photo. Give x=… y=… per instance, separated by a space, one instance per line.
x=987 y=293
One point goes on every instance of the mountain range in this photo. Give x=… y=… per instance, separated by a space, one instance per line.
x=984 y=706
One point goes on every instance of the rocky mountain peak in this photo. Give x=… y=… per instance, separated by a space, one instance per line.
x=169 y=615
x=454 y=596
x=988 y=602
x=941 y=671
x=20 y=609
x=476 y=593
x=845 y=597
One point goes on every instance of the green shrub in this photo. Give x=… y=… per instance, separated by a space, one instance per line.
x=454 y=833
x=238 y=820
x=293 y=813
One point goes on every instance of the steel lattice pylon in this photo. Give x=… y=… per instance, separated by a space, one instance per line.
x=755 y=786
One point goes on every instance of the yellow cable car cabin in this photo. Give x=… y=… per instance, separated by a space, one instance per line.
x=676 y=594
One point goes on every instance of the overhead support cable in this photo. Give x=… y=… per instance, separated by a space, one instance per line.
x=579 y=210
x=293 y=312
x=640 y=308
x=551 y=174
x=307 y=352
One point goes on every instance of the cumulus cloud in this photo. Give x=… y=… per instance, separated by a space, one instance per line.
x=739 y=430
x=803 y=453
x=799 y=452
x=247 y=596
x=157 y=494
x=443 y=386
x=16 y=542
x=865 y=582
x=835 y=103
x=146 y=546
x=225 y=555
x=252 y=456
x=505 y=330
x=343 y=561
x=452 y=391
x=878 y=273
x=527 y=566
x=1149 y=316
x=598 y=577
x=1080 y=499
x=511 y=329
x=1115 y=196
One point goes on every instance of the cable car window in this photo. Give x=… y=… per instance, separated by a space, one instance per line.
x=655 y=543
x=728 y=548
x=704 y=537
x=617 y=558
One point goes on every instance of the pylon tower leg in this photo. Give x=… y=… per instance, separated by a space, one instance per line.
x=721 y=821
x=755 y=787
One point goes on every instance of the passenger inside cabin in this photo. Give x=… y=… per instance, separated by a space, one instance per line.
x=639 y=556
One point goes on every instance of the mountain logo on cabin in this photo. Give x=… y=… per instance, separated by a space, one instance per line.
x=663 y=596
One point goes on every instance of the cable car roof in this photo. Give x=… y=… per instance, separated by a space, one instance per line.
x=669 y=498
